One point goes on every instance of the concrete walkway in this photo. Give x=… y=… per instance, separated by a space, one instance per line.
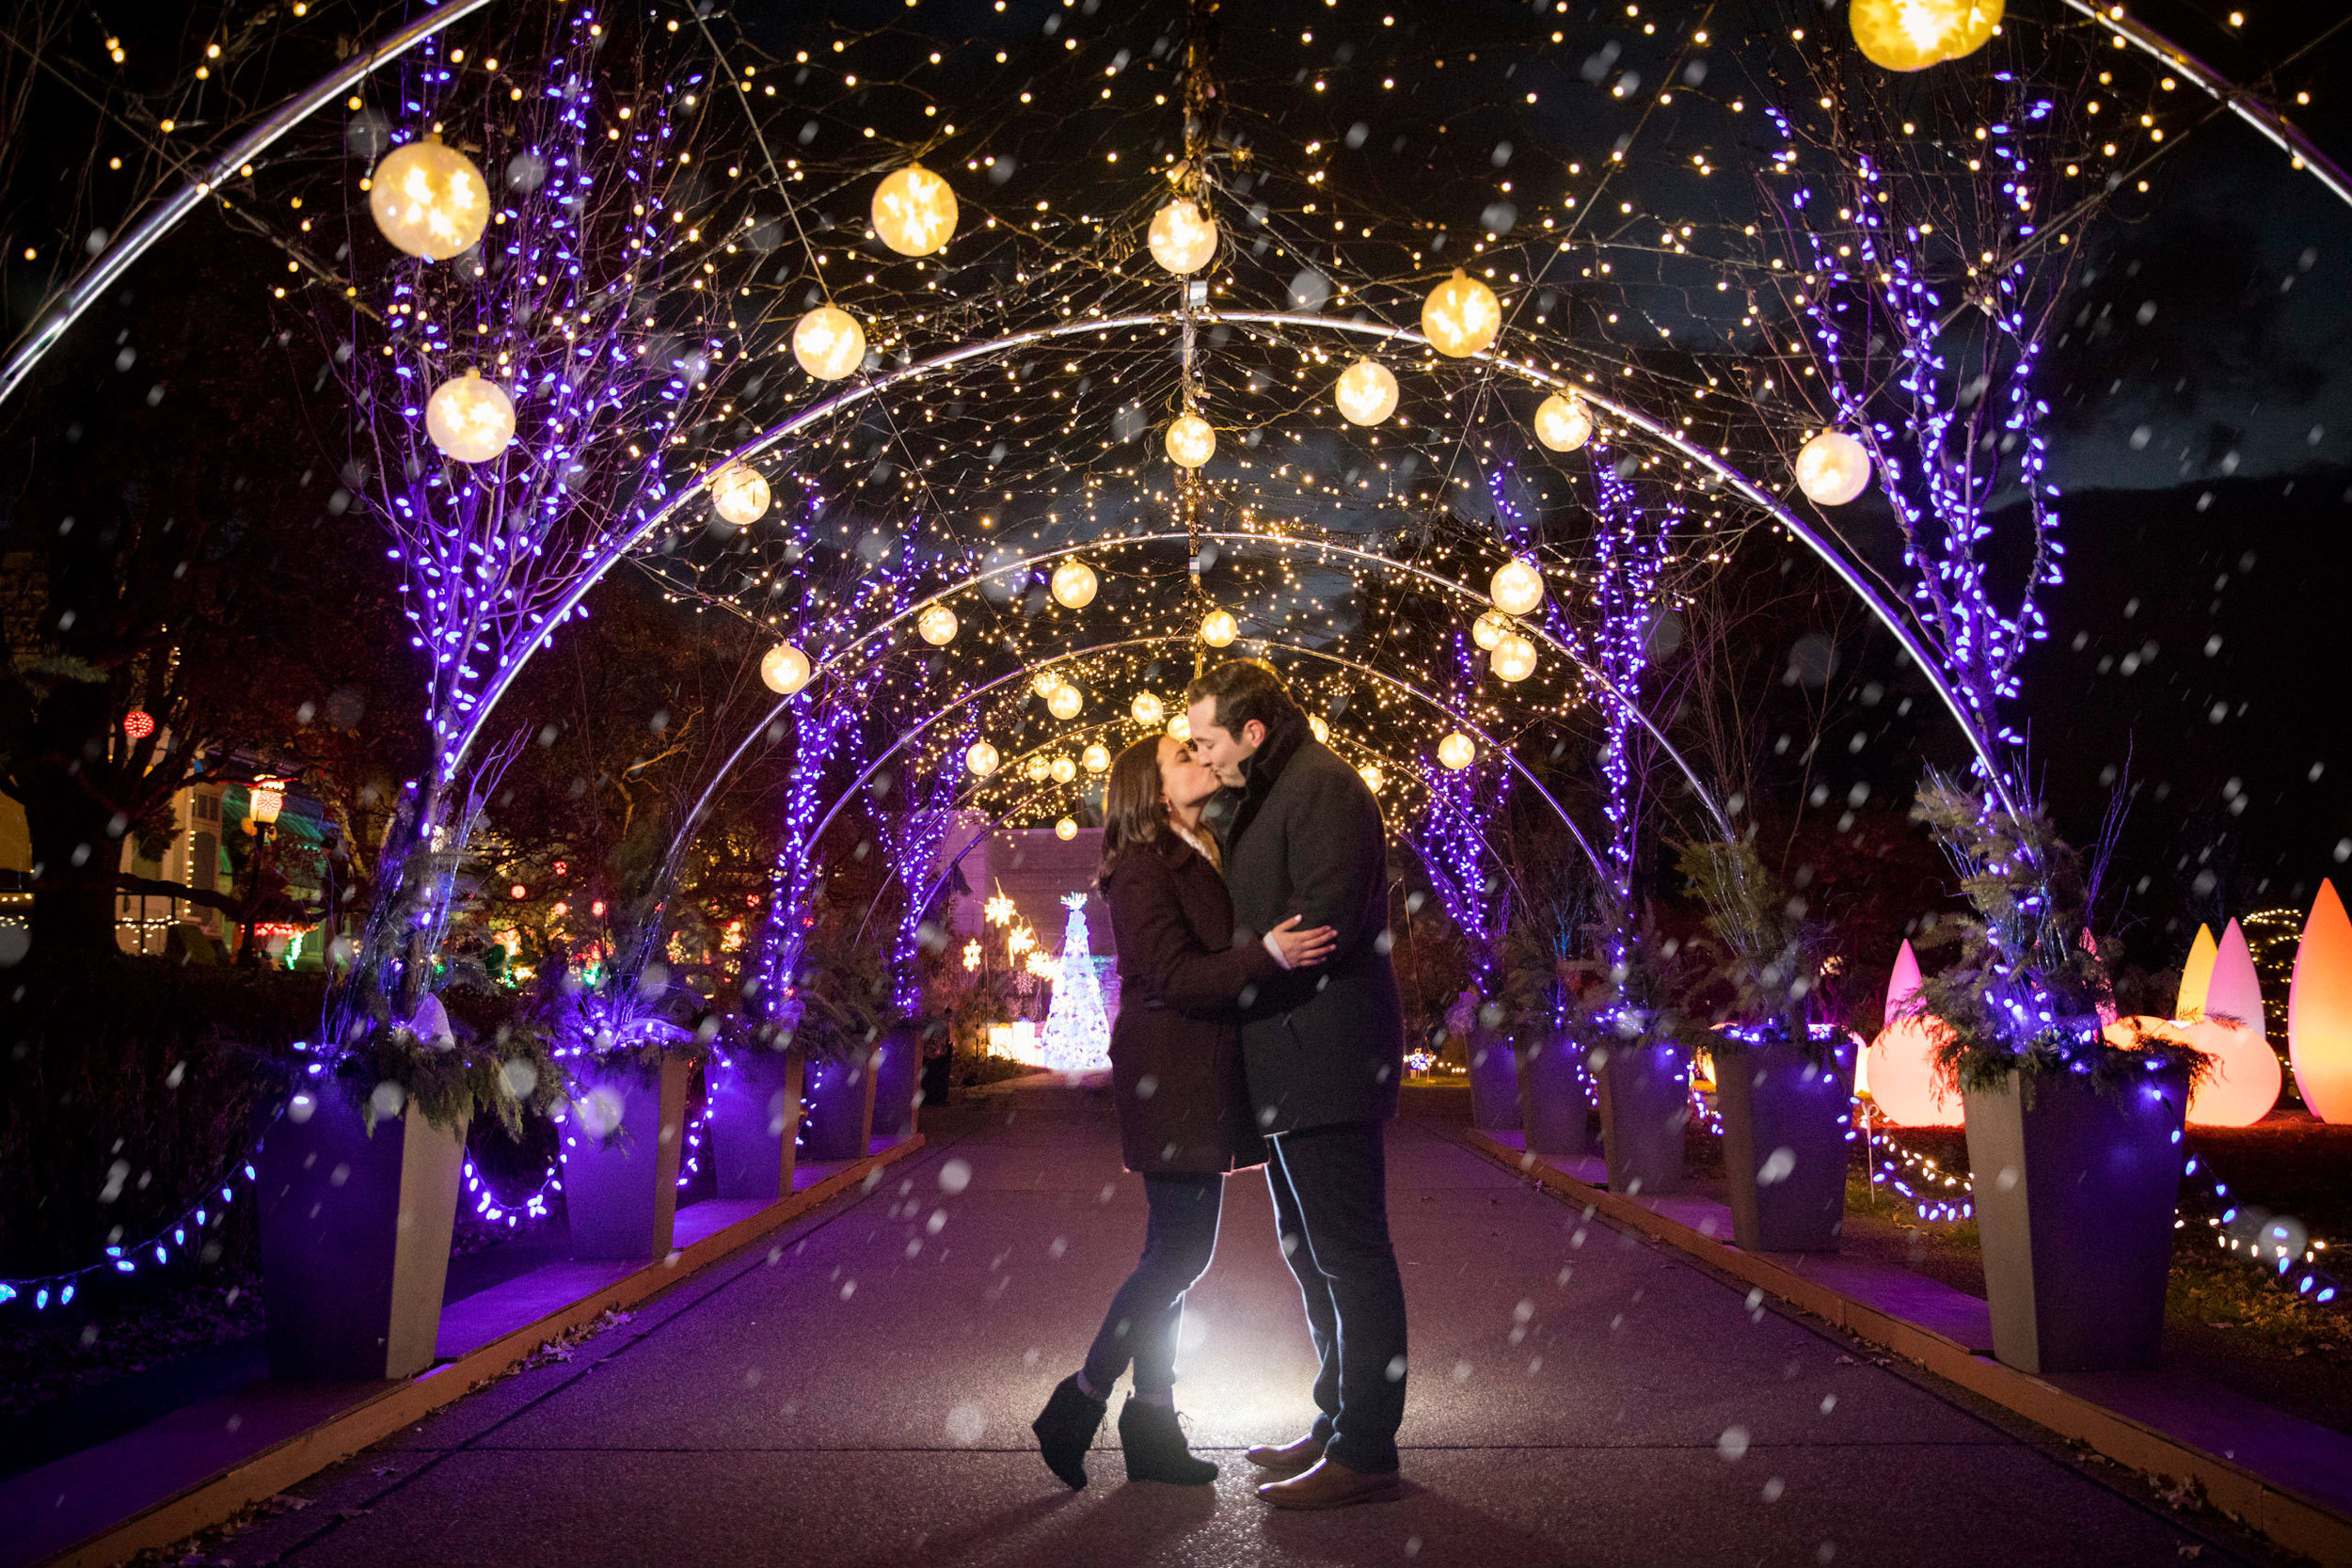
x=860 y=1392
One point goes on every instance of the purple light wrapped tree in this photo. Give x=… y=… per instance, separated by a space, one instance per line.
x=574 y=303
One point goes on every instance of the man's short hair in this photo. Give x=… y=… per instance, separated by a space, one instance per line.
x=1242 y=690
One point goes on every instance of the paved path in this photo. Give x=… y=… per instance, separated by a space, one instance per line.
x=860 y=1393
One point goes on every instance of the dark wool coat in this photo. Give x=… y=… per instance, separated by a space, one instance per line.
x=1322 y=1045
x=1176 y=1073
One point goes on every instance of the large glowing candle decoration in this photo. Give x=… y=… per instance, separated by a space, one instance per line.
x=914 y=211
x=739 y=494
x=784 y=668
x=2319 y=1010
x=1904 y=1080
x=1366 y=392
x=1457 y=751
x=2246 y=1078
x=1191 y=441
x=429 y=199
x=1183 y=237
x=1518 y=587
x=1514 y=657
x=2196 y=974
x=1461 y=316
x=828 y=343
x=1074 y=584
x=1832 y=468
x=937 y=625
x=981 y=759
x=1913 y=34
x=1563 y=422
x=1218 y=628
x=469 y=419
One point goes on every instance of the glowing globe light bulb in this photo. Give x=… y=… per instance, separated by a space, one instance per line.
x=1065 y=702
x=1832 y=468
x=1366 y=392
x=429 y=199
x=784 y=668
x=828 y=343
x=1318 y=728
x=1218 y=628
x=1065 y=829
x=982 y=758
x=1038 y=769
x=1458 y=750
x=1074 y=584
x=1563 y=422
x=1183 y=237
x=937 y=625
x=1147 y=710
x=469 y=419
x=1097 y=757
x=1370 y=772
x=1913 y=34
x=1518 y=587
x=1063 y=770
x=914 y=211
x=1490 y=627
x=1180 y=725
x=1461 y=316
x=1191 y=441
x=1513 y=658
x=1045 y=683
x=138 y=724
x=739 y=494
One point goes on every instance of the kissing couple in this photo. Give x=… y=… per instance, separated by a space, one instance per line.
x=1259 y=1024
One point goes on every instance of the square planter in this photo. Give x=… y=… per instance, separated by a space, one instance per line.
x=1785 y=1146
x=1645 y=1106
x=840 y=1099
x=1494 y=1080
x=756 y=1121
x=1557 y=1104
x=2075 y=1193
x=621 y=1144
x=355 y=1239
x=897 y=1076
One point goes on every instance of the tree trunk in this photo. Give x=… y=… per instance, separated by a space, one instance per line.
x=73 y=905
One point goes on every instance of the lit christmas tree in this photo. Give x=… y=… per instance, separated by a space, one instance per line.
x=1077 y=1037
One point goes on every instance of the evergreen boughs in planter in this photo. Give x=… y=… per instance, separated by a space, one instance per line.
x=2026 y=987
x=1772 y=962
x=450 y=1069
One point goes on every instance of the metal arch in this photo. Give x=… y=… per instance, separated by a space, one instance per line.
x=1462 y=589
x=157 y=221
x=142 y=235
x=686 y=827
x=1713 y=462
x=2273 y=126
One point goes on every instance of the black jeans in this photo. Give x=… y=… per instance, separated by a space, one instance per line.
x=1178 y=1243
x=1331 y=1208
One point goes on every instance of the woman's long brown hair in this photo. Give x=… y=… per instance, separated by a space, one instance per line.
x=1134 y=810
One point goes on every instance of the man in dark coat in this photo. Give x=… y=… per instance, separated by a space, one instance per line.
x=1324 y=1052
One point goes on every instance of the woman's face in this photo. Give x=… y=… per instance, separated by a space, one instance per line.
x=1184 y=781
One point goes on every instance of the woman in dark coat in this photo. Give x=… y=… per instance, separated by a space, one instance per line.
x=1177 y=1086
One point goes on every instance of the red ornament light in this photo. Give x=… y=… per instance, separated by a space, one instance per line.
x=139 y=723
x=518 y=893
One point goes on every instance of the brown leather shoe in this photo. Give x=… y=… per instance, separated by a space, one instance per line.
x=1287 y=1459
x=1332 y=1484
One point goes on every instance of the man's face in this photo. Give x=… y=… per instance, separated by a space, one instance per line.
x=1219 y=748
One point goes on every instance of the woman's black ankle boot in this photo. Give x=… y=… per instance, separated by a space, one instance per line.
x=1155 y=1446
x=1065 y=1429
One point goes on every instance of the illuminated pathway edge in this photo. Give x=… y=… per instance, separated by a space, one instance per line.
x=864 y=1398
